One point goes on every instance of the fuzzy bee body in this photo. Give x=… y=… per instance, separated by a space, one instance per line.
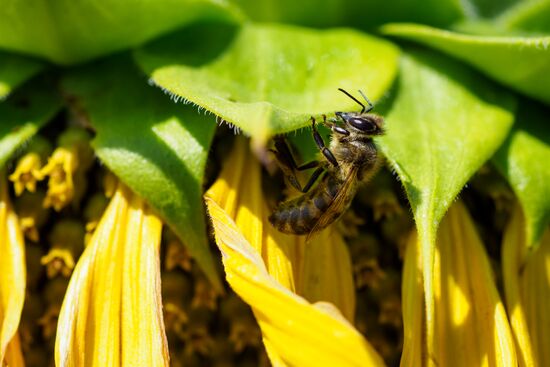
x=300 y=215
x=350 y=159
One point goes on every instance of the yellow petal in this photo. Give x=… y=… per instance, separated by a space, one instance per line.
x=14 y=356
x=471 y=327
x=327 y=272
x=536 y=298
x=13 y=278
x=414 y=346
x=282 y=255
x=527 y=287
x=112 y=311
x=297 y=332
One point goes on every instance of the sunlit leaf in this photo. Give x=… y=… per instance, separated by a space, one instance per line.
x=268 y=79
x=14 y=70
x=22 y=114
x=357 y=13
x=66 y=31
x=156 y=147
x=532 y=16
x=444 y=122
x=524 y=160
x=522 y=63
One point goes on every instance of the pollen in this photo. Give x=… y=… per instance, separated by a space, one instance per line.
x=197 y=336
x=32 y=214
x=27 y=173
x=205 y=295
x=60 y=169
x=244 y=333
x=177 y=255
x=66 y=241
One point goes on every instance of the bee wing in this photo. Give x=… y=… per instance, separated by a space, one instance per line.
x=338 y=204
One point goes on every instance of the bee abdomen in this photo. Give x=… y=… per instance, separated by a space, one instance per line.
x=300 y=215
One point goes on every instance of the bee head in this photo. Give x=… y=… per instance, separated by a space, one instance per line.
x=363 y=123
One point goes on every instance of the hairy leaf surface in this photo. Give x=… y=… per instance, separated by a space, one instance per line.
x=269 y=79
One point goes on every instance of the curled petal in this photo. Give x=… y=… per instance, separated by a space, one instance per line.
x=295 y=332
x=471 y=327
x=112 y=311
x=13 y=279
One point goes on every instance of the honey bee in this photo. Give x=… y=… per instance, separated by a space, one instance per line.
x=350 y=159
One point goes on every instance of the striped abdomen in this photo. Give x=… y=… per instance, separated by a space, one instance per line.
x=299 y=215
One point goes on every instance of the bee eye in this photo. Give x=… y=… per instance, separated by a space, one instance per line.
x=363 y=124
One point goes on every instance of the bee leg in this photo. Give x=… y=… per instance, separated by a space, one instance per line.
x=285 y=157
x=288 y=164
x=321 y=145
x=332 y=126
x=283 y=153
x=308 y=165
x=314 y=176
x=288 y=172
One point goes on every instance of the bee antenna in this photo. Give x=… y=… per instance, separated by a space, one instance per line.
x=371 y=106
x=355 y=99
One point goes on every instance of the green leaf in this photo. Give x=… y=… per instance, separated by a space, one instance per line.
x=476 y=9
x=531 y=16
x=15 y=70
x=269 y=79
x=67 y=32
x=156 y=147
x=524 y=159
x=357 y=13
x=519 y=62
x=23 y=113
x=444 y=122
